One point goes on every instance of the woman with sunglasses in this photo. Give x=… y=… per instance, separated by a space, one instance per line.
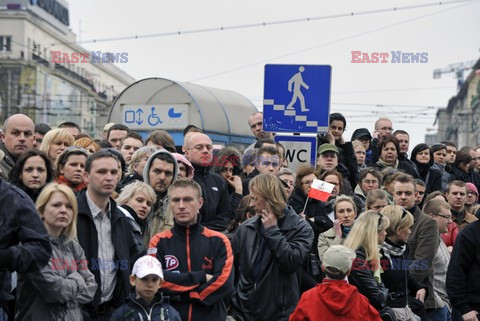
x=70 y=169
x=396 y=276
x=31 y=172
x=365 y=238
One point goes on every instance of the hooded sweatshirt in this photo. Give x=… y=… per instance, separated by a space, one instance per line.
x=161 y=218
x=334 y=300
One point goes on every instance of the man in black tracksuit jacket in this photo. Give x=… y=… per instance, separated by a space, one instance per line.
x=463 y=275
x=197 y=261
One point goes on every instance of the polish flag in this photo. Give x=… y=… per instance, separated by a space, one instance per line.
x=320 y=190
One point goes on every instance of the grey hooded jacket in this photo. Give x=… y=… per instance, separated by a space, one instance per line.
x=161 y=218
x=58 y=289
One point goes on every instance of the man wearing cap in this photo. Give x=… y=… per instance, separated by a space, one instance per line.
x=328 y=161
x=198 y=262
x=334 y=298
x=457 y=196
x=363 y=136
x=145 y=302
x=17 y=137
x=347 y=164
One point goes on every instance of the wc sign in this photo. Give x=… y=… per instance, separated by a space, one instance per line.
x=299 y=150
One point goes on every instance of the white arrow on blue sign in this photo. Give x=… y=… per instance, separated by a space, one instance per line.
x=296 y=98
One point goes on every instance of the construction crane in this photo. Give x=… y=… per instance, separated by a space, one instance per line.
x=457 y=68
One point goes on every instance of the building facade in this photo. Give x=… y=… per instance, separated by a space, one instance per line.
x=46 y=75
x=460 y=121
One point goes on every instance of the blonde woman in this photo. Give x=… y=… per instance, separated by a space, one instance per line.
x=135 y=168
x=345 y=214
x=396 y=276
x=367 y=234
x=55 y=142
x=57 y=291
x=136 y=201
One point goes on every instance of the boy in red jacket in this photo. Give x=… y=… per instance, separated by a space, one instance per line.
x=334 y=298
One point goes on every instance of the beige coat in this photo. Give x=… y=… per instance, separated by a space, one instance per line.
x=327 y=239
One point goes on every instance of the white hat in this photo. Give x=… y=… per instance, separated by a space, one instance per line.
x=147 y=265
x=339 y=257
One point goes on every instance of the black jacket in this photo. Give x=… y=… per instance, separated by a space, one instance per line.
x=187 y=255
x=268 y=265
x=24 y=242
x=216 y=211
x=395 y=278
x=123 y=242
x=363 y=279
x=463 y=275
x=315 y=209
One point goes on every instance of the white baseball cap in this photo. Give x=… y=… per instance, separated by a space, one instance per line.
x=339 y=257
x=147 y=265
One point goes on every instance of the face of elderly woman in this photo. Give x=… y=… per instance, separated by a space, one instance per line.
x=389 y=153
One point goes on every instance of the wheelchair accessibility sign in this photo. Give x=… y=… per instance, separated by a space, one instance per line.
x=150 y=117
x=296 y=98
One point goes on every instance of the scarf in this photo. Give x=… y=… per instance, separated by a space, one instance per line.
x=345 y=231
x=383 y=164
x=76 y=188
x=391 y=249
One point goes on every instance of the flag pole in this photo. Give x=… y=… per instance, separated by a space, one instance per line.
x=305 y=206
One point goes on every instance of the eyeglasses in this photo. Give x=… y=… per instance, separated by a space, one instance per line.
x=287 y=183
x=447 y=217
x=200 y=147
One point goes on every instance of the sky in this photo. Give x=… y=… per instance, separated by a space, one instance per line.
x=234 y=58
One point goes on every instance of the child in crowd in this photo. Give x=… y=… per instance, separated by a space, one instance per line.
x=145 y=301
x=334 y=298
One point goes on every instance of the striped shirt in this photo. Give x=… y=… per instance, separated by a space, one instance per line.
x=106 y=250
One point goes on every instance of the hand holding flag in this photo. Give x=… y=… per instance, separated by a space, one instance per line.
x=320 y=190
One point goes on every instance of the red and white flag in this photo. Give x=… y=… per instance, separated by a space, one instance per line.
x=320 y=190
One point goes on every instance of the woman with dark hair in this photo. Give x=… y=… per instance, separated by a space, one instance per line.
x=389 y=149
x=70 y=168
x=31 y=172
x=460 y=167
x=422 y=158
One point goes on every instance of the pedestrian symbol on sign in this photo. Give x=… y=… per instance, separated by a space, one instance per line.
x=298 y=83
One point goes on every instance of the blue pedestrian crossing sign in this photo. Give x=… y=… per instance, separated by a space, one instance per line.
x=296 y=98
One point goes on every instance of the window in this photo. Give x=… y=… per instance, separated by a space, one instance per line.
x=5 y=43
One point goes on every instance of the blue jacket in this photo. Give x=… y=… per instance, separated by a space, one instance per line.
x=24 y=242
x=139 y=310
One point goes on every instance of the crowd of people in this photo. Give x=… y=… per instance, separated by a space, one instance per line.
x=122 y=228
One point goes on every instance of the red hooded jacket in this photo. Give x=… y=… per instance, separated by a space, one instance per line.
x=334 y=300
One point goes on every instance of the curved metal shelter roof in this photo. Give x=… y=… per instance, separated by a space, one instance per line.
x=211 y=109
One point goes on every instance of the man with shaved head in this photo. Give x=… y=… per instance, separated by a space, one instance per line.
x=16 y=138
x=216 y=211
